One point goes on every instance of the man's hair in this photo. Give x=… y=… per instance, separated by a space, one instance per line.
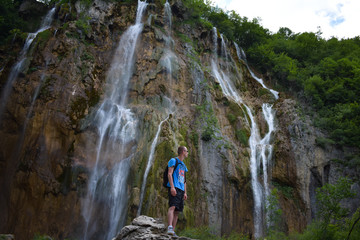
x=181 y=149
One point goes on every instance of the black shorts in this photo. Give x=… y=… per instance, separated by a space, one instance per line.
x=177 y=201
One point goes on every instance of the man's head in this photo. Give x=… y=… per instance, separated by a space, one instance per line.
x=182 y=151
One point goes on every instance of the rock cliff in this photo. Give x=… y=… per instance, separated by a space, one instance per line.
x=50 y=136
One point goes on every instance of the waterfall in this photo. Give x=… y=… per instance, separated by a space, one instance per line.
x=261 y=148
x=168 y=57
x=168 y=15
x=116 y=126
x=241 y=55
x=170 y=108
x=266 y=147
x=20 y=142
x=150 y=163
x=18 y=66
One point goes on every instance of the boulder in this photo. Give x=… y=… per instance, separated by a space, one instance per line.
x=144 y=227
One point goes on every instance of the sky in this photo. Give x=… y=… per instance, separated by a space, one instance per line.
x=336 y=18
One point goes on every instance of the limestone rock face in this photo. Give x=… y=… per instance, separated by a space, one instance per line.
x=49 y=141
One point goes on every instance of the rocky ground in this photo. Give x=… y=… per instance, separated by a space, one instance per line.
x=144 y=227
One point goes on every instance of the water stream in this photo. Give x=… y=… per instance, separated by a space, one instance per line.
x=261 y=148
x=241 y=55
x=116 y=126
x=150 y=163
x=169 y=56
x=19 y=65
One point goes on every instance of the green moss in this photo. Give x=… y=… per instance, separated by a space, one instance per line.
x=263 y=91
x=236 y=109
x=208 y=233
x=139 y=172
x=231 y=117
x=43 y=37
x=183 y=37
x=287 y=191
x=41 y=237
x=163 y=153
x=209 y=120
x=194 y=137
x=86 y=56
x=189 y=216
x=83 y=25
x=32 y=69
x=242 y=136
x=207 y=134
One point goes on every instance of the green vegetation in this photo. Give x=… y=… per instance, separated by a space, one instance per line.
x=286 y=191
x=275 y=215
x=206 y=233
x=41 y=237
x=9 y=18
x=242 y=136
x=332 y=221
x=324 y=74
x=207 y=116
x=83 y=24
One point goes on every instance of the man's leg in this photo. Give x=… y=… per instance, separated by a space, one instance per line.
x=175 y=218
x=171 y=215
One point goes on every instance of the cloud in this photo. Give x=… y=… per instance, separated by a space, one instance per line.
x=334 y=16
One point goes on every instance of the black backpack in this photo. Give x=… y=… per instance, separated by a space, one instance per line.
x=165 y=174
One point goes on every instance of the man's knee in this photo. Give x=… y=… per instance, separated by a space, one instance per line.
x=172 y=208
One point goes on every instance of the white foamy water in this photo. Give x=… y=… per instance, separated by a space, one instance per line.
x=150 y=163
x=167 y=61
x=19 y=65
x=261 y=148
x=116 y=125
x=241 y=55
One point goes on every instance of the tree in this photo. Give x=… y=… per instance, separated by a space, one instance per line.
x=329 y=199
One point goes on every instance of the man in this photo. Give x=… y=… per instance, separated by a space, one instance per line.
x=177 y=188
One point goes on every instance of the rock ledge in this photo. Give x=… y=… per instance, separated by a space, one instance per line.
x=144 y=227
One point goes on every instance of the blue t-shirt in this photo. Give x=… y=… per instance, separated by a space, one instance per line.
x=179 y=173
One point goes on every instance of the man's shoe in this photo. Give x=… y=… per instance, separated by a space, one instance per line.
x=170 y=231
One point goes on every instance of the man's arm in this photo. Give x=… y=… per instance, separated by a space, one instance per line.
x=185 y=195
x=171 y=181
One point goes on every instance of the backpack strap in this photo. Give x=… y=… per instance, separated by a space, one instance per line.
x=176 y=164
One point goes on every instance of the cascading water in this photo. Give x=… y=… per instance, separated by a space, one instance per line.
x=261 y=149
x=168 y=15
x=150 y=163
x=241 y=55
x=169 y=56
x=15 y=70
x=28 y=115
x=265 y=147
x=116 y=125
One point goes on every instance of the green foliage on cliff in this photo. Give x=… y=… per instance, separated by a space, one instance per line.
x=332 y=222
x=9 y=18
x=207 y=233
x=324 y=74
x=328 y=200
